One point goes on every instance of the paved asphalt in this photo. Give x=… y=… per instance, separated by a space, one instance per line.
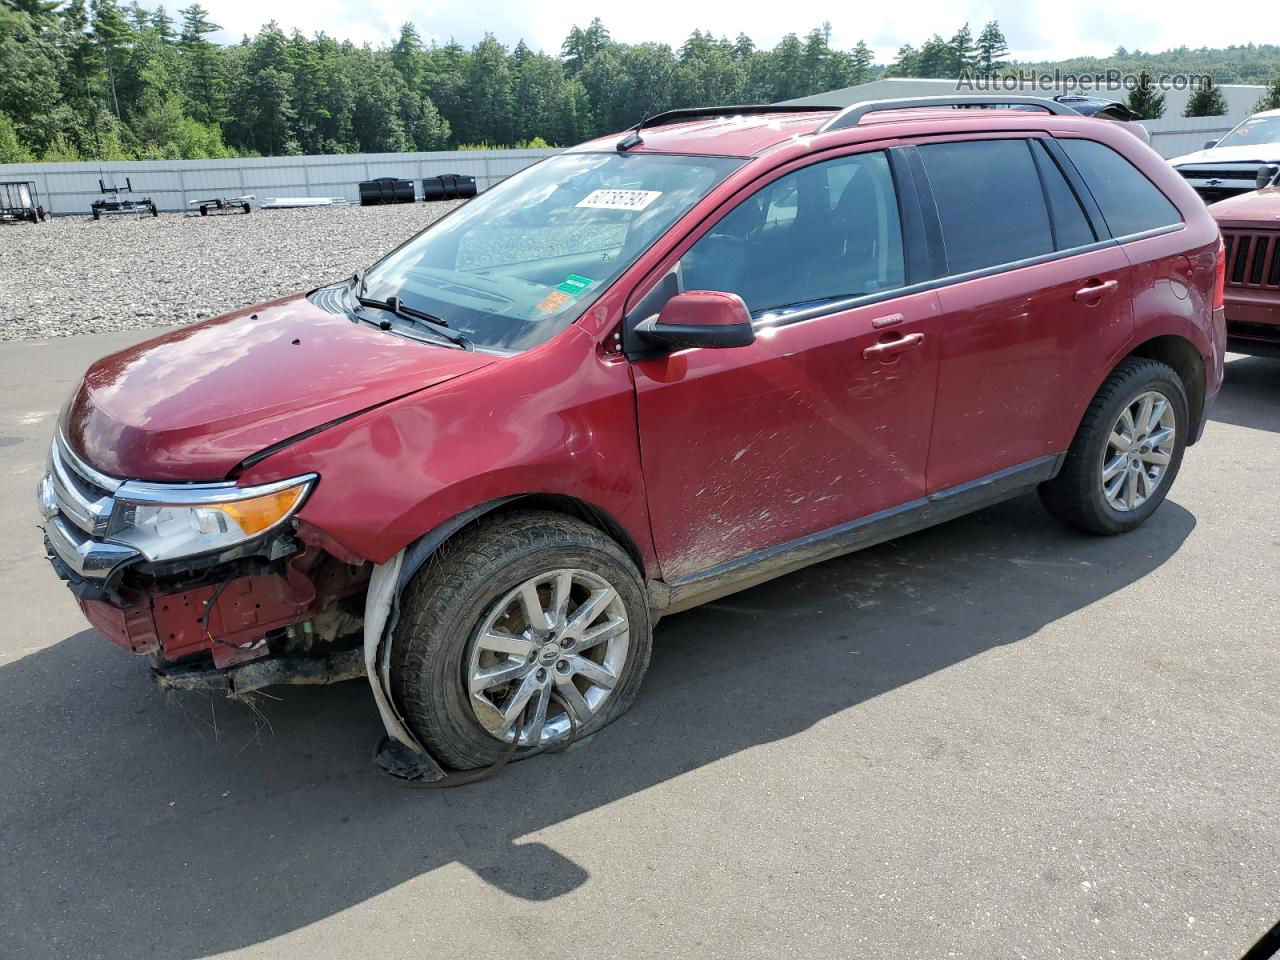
x=992 y=739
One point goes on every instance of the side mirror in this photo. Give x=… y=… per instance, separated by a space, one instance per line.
x=701 y=318
x=1210 y=144
x=1267 y=175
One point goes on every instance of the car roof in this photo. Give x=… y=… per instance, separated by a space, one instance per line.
x=733 y=136
x=751 y=135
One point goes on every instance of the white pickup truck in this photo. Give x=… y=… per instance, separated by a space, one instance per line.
x=1231 y=166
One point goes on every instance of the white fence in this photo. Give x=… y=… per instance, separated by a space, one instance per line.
x=69 y=188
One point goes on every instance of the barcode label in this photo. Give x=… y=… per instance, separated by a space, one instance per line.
x=619 y=199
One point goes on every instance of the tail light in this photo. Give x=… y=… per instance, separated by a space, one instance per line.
x=1220 y=277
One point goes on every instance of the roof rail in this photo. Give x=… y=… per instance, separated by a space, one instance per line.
x=851 y=116
x=681 y=114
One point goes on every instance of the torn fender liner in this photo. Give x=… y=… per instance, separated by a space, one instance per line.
x=400 y=754
x=396 y=760
x=383 y=592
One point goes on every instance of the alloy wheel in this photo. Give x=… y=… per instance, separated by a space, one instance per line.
x=564 y=630
x=1139 y=451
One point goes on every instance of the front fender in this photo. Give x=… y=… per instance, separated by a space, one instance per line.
x=559 y=420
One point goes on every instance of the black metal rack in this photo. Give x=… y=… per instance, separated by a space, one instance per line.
x=117 y=204
x=19 y=201
x=223 y=204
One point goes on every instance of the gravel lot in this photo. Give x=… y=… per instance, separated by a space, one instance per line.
x=72 y=275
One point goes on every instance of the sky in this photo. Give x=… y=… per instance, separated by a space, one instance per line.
x=1036 y=29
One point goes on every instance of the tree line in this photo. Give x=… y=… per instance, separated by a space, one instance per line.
x=95 y=79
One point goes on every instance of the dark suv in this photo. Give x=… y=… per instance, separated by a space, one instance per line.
x=647 y=372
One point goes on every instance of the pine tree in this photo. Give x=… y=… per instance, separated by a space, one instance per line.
x=406 y=55
x=906 y=63
x=1144 y=100
x=206 y=76
x=111 y=36
x=162 y=24
x=861 y=62
x=963 y=52
x=581 y=45
x=489 y=81
x=992 y=49
x=936 y=59
x=1207 y=101
x=139 y=17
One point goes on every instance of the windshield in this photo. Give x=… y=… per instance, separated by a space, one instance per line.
x=523 y=260
x=1254 y=130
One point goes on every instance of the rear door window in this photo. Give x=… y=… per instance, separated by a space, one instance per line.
x=1130 y=202
x=990 y=202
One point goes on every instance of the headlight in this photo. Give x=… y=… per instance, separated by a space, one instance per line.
x=164 y=523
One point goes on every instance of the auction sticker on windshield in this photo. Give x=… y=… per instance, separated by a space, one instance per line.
x=618 y=199
x=574 y=285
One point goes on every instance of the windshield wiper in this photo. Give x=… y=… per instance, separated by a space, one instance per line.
x=421 y=318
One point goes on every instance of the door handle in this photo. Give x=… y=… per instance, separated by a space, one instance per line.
x=1097 y=290
x=889 y=348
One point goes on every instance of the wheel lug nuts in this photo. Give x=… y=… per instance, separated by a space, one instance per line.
x=563 y=666
x=542 y=674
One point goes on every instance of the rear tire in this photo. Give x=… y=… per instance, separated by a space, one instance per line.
x=1123 y=459
x=474 y=585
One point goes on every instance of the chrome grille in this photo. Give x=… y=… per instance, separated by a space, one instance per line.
x=1253 y=258
x=84 y=495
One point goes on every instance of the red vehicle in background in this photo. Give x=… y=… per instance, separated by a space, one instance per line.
x=644 y=373
x=1250 y=225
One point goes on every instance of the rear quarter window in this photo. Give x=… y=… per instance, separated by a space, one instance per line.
x=1130 y=202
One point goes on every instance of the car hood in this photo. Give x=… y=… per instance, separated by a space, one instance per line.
x=192 y=404
x=1257 y=153
x=1257 y=209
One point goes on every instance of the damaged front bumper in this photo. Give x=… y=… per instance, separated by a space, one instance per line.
x=254 y=595
x=291 y=606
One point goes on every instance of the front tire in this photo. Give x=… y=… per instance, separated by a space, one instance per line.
x=513 y=608
x=1126 y=452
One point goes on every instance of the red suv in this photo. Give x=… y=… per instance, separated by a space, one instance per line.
x=1250 y=224
x=642 y=374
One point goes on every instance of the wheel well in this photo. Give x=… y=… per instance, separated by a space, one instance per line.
x=1180 y=354
x=571 y=506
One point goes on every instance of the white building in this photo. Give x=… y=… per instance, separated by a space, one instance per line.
x=1172 y=135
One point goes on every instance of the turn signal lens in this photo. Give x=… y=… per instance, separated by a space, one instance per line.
x=254 y=516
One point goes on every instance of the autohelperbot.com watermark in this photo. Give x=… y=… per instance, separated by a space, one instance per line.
x=1060 y=81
